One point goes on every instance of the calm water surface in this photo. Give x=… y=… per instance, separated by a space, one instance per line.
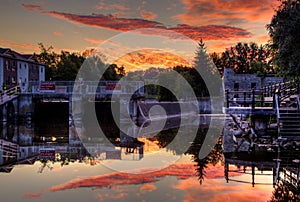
x=76 y=175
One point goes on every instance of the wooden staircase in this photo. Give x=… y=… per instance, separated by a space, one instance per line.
x=289 y=119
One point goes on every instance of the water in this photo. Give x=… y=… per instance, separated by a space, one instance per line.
x=152 y=169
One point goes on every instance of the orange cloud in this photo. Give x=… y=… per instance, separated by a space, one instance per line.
x=263 y=38
x=147 y=188
x=111 y=7
x=219 y=191
x=22 y=46
x=232 y=12
x=57 y=33
x=31 y=7
x=102 y=197
x=94 y=41
x=208 y=32
x=150 y=58
x=148 y=15
x=32 y=195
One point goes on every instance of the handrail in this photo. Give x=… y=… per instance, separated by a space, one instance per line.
x=252 y=97
x=8 y=93
x=248 y=97
x=276 y=99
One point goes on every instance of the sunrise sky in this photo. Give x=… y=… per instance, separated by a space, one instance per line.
x=78 y=25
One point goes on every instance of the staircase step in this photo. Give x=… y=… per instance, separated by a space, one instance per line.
x=290 y=136
x=284 y=133
x=289 y=118
x=290 y=126
x=287 y=111
x=290 y=130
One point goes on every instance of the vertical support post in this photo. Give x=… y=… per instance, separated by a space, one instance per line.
x=245 y=99
x=226 y=171
x=227 y=98
x=253 y=98
x=274 y=175
x=253 y=174
x=262 y=99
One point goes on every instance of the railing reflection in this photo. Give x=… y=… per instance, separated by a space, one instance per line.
x=283 y=166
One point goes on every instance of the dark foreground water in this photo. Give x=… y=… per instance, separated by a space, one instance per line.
x=152 y=170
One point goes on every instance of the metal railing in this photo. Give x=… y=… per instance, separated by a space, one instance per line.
x=9 y=94
x=262 y=97
x=251 y=98
x=87 y=87
x=277 y=105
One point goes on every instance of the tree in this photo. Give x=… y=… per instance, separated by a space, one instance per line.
x=48 y=57
x=284 y=31
x=68 y=66
x=244 y=58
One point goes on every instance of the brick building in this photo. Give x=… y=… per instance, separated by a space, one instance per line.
x=18 y=69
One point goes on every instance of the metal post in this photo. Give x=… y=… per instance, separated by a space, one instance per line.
x=253 y=173
x=227 y=98
x=262 y=99
x=253 y=98
x=226 y=171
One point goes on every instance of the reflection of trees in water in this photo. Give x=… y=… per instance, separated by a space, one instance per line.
x=283 y=192
x=76 y=155
x=214 y=157
x=64 y=161
x=177 y=141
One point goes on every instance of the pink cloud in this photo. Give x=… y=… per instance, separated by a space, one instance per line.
x=148 y=15
x=209 y=32
x=106 y=21
x=112 y=180
x=31 y=7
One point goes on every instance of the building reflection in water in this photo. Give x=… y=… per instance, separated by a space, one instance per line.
x=282 y=165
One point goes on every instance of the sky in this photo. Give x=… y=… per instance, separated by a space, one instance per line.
x=79 y=25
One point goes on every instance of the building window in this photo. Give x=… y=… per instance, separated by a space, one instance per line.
x=236 y=86
x=8 y=81
x=7 y=65
x=253 y=85
x=20 y=66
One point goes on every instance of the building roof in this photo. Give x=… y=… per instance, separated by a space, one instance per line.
x=8 y=53
x=3 y=50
